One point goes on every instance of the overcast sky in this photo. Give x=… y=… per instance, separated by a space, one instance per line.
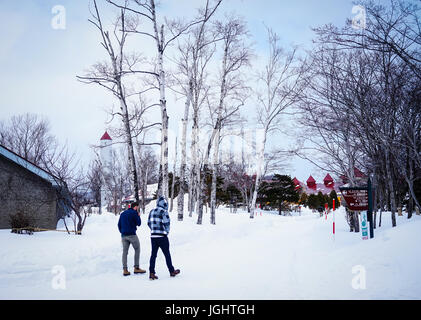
x=39 y=64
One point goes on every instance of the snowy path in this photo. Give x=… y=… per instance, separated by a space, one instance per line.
x=269 y=257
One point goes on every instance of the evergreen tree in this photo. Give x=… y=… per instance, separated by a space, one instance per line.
x=303 y=199
x=313 y=201
x=281 y=189
x=323 y=199
x=221 y=194
x=231 y=195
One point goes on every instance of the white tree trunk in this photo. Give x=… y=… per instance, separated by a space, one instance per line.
x=351 y=162
x=173 y=177
x=130 y=151
x=391 y=187
x=145 y=189
x=214 y=177
x=201 y=187
x=180 y=199
x=260 y=164
x=193 y=169
x=164 y=133
x=159 y=37
x=217 y=131
x=410 y=182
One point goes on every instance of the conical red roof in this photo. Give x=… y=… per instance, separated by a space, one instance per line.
x=328 y=181
x=106 y=136
x=328 y=178
x=311 y=179
x=311 y=183
x=359 y=174
x=296 y=183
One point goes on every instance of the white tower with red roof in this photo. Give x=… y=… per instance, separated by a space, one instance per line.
x=106 y=156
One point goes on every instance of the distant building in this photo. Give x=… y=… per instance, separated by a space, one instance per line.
x=311 y=183
x=106 y=155
x=328 y=181
x=312 y=187
x=30 y=190
x=359 y=176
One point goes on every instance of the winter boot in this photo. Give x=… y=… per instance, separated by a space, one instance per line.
x=175 y=272
x=152 y=276
x=138 y=270
x=126 y=272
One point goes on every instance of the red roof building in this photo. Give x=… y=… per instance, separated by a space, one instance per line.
x=312 y=187
x=106 y=136
x=357 y=173
x=311 y=183
x=328 y=181
x=297 y=184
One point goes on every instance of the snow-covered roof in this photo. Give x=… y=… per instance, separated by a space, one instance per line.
x=29 y=166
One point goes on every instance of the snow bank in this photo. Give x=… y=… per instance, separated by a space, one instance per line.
x=268 y=257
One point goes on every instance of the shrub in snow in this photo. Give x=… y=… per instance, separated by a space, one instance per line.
x=21 y=221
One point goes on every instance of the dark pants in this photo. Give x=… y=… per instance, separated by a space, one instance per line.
x=163 y=243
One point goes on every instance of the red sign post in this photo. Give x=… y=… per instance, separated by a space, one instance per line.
x=333 y=218
x=326 y=208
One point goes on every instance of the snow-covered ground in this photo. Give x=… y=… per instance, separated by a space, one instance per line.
x=269 y=257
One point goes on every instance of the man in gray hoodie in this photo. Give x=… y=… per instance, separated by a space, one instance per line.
x=159 y=223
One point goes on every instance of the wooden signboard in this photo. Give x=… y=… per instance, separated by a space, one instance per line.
x=360 y=199
x=356 y=199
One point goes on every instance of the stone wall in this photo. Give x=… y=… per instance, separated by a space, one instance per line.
x=24 y=191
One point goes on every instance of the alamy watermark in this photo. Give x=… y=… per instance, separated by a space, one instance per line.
x=58 y=21
x=58 y=282
x=359 y=280
x=360 y=19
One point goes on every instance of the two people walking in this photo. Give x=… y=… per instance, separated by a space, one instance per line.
x=159 y=223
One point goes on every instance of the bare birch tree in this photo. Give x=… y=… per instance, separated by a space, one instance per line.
x=148 y=168
x=195 y=54
x=163 y=34
x=173 y=177
x=236 y=56
x=111 y=74
x=280 y=82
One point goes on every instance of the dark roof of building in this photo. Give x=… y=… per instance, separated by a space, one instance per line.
x=28 y=165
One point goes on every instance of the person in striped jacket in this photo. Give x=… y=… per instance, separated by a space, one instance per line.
x=159 y=223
